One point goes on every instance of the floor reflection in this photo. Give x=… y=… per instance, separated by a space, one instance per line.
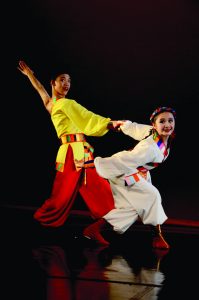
x=84 y=273
x=42 y=264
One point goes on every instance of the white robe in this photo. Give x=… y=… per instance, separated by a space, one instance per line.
x=140 y=199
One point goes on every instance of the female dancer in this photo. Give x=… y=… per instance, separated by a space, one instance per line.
x=129 y=175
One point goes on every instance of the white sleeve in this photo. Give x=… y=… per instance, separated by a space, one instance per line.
x=135 y=130
x=124 y=162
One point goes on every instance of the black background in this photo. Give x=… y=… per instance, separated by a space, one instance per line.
x=125 y=59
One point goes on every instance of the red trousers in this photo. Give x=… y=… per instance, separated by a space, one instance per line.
x=96 y=193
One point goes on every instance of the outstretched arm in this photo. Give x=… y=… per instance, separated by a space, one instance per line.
x=135 y=130
x=24 y=68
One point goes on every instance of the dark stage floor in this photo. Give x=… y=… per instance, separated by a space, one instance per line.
x=45 y=264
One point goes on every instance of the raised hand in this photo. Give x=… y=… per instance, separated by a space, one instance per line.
x=24 y=68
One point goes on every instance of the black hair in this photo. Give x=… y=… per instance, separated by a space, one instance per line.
x=58 y=69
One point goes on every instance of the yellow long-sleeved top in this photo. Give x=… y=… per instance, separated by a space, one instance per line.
x=69 y=117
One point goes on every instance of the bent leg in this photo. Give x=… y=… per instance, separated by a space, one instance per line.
x=56 y=208
x=141 y=199
x=121 y=218
x=99 y=199
x=97 y=194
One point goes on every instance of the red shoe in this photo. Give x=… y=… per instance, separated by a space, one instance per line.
x=159 y=242
x=93 y=232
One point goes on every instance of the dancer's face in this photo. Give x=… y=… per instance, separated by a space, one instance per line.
x=164 y=124
x=61 y=84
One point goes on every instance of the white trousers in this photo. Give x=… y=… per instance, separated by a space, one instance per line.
x=141 y=199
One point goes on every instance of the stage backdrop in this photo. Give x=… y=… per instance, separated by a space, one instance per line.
x=125 y=59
